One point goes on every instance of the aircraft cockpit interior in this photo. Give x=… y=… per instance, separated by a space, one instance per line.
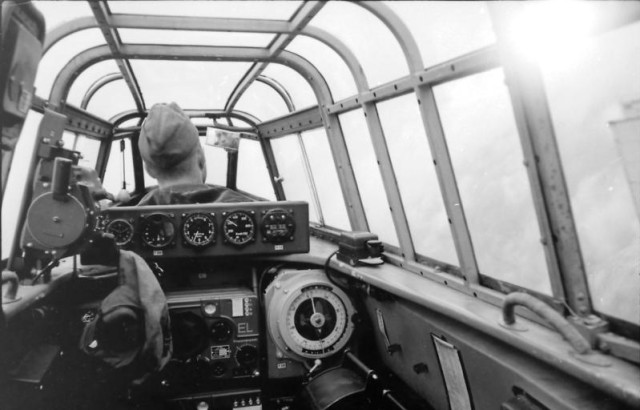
x=310 y=205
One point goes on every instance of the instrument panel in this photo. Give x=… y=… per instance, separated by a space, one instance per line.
x=218 y=229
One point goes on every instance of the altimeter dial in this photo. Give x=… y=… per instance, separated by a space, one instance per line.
x=239 y=228
x=199 y=230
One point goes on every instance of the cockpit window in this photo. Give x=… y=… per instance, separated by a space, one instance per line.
x=415 y=172
x=183 y=37
x=119 y=168
x=487 y=158
x=217 y=160
x=90 y=76
x=594 y=97
x=61 y=53
x=333 y=68
x=191 y=84
x=295 y=181
x=253 y=175
x=278 y=10
x=368 y=176
x=16 y=182
x=369 y=43
x=262 y=101
x=325 y=178
x=298 y=88
x=444 y=30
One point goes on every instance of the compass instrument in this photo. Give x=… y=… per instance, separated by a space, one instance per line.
x=308 y=316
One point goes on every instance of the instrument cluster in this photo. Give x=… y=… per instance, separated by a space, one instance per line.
x=223 y=229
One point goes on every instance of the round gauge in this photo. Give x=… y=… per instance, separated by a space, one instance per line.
x=199 y=230
x=238 y=228
x=316 y=320
x=278 y=226
x=157 y=230
x=308 y=316
x=121 y=230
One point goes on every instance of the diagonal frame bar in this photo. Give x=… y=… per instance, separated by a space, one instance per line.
x=103 y=14
x=305 y=13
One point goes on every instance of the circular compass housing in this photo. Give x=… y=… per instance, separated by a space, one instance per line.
x=308 y=316
x=239 y=228
x=121 y=230
x=157 y=231
x=199 y=230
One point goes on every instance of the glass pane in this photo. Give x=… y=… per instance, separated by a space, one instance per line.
x=446 y=29
x=261 y=101
x=191 y=84
x=12 y=200
x=102 y=103
x=113 y=176
x=282 y=10
x=203 y=38
x=291 y=167
x=253 y=175
x=594 y=98
x=487 y=158
x=60 y=54
x=59 y=12
x=368 y=177
x=367 y=37
x=217 y=160
x=299 y=89
x=326 y=179
x=88 y=150
x=332 y=67
x=417 y=180
x=95 y=72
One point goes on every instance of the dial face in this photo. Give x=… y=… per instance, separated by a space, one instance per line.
x=317 y=321
x=238 y=228
x=278 y=226
x=121 y=230
x=157 y=231
x=199 y=230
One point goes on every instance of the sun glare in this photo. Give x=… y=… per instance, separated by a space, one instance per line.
x=555 y=31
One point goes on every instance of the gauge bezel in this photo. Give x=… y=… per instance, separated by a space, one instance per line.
x=210 y=240
x=285 y=294
x=144 y=223
x=289 y=222
x=234 y=241
x=130 y=228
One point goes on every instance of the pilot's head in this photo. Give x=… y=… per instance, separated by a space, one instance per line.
x=170 y=147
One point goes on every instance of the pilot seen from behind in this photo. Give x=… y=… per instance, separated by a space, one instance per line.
x=171 y=151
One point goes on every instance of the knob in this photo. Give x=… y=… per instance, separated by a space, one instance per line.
x=221 y=331
x=203 y=405
x=247 y=355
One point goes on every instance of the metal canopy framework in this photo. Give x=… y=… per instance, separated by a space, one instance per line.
x=548 y=186
x=102 y=14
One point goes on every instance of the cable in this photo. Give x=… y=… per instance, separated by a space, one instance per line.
x=326 y=269
x=44 y=270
